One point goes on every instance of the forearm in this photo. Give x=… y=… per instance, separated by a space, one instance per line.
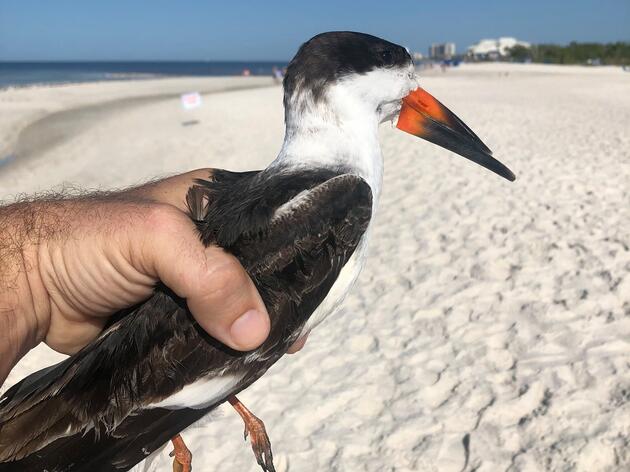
x=16 y=336
x=23 y=303
x=31 y=234
x=56 y=255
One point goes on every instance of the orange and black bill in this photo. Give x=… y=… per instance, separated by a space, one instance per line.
x=424 y=116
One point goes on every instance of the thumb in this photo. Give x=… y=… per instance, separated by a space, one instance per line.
x=218 y=291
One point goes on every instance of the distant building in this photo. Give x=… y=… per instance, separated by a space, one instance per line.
x=494 y=48
x=442 y=51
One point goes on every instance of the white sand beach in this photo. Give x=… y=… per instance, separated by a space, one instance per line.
x=490 y=329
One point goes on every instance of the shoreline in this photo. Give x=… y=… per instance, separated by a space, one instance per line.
x=137 y=77
x=19 y=73
x=121 y=78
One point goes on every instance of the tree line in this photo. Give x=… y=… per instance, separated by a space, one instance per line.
x=574 y=53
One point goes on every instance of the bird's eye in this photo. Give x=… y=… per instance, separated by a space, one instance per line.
x=387 y=57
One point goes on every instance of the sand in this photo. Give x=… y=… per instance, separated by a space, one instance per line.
x=490 y=329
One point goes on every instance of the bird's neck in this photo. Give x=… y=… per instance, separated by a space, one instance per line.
x=319 y=136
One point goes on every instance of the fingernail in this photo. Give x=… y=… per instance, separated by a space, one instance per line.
x=250 y=330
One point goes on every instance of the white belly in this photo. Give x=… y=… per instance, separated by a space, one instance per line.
x=200 y=394
x=341 y=287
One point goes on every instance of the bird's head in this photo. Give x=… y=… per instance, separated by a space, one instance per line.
x=344 y=77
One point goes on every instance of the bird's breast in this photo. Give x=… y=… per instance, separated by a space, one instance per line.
x=346 y=279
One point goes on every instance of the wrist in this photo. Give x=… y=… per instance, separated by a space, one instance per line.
x=24 y=308
x=16 y=338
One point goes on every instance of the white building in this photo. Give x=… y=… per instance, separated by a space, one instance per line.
x=442 y=51
x=494 y=48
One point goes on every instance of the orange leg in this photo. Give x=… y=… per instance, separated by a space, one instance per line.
x=182 y=461
x=255 y=428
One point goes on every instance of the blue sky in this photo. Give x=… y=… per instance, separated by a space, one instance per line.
x=259 y=30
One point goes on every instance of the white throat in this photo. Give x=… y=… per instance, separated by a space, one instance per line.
x=339 y=128
x=345 y=135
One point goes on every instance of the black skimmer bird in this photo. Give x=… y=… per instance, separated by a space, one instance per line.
x=300 y=229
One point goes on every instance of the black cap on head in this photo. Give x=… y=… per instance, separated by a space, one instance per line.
x=327 y=57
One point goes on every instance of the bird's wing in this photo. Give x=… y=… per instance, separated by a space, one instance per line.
x=292 y=247
x=293 y=235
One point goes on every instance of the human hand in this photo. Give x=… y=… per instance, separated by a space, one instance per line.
x=74 y=262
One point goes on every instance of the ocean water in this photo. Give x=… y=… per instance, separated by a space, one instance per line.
x=28 y=73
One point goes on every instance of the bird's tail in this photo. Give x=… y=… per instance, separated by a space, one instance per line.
x=34 y=437
x=33 y=429
x=31 y=416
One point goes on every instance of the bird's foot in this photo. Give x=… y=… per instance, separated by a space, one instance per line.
x=182 y=457
x=261 y=445
x=255 y=429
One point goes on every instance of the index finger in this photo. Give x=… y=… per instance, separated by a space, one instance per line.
x=170 y=190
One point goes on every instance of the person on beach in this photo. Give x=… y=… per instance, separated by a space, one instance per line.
x=277 y=75
x=67 y=264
